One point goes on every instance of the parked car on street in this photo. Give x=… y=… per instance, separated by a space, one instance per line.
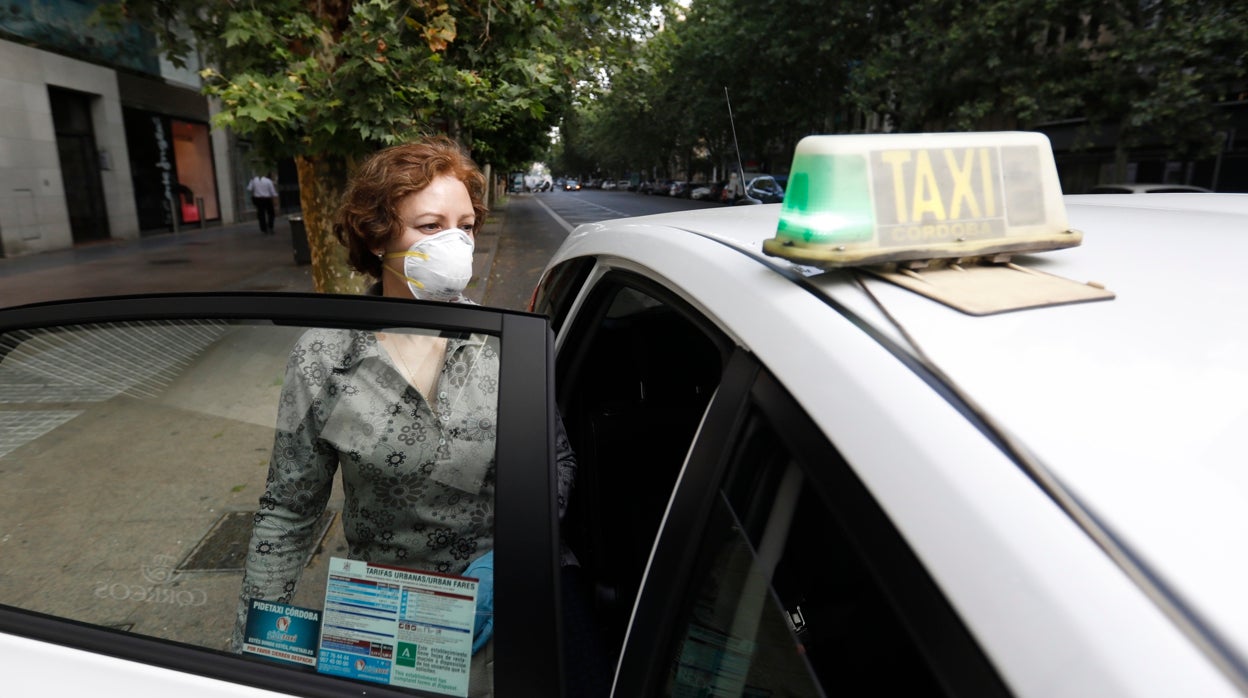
x=757 y=188
x=765 y=189
x=709 y=191
x=917 y=431
x=1137 y=188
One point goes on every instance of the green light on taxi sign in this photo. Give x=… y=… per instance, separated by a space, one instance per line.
x=869 y=199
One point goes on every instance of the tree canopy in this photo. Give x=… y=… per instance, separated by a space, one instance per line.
x=1151 y=72
x=345 y=76
x=638 y=86
x=329 y=81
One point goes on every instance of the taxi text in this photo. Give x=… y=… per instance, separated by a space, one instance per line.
x=941 y=185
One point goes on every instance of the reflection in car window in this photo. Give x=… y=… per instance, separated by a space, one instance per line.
x=557 y=289
x=133 y=456
x=782 y=603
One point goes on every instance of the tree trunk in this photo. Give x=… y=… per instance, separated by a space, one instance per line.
x=1122 y=155
x=1120 y=161
x=322 y=182
x=491 y=194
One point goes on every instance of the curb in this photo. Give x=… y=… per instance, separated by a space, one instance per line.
x=485 y=250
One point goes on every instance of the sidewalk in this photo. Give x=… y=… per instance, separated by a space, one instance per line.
x=232 y=257
x=153 y=462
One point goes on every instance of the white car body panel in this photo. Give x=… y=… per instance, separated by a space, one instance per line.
x=1141 y=435
x=105 y=677
x=1055 y=613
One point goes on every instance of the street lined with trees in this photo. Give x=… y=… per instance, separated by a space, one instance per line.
x=639 y=88
x=1149 y=72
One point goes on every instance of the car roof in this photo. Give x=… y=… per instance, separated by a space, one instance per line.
x=1135 y=404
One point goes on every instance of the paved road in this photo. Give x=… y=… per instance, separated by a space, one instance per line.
x=590 y=206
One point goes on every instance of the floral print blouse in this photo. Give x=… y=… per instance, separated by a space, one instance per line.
x=417 y=474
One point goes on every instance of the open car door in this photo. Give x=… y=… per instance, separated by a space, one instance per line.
x=139 y=436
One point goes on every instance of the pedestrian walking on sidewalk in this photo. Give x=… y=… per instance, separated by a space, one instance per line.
x=264 y=196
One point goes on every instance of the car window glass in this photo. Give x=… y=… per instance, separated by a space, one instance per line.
x=558 y=288
x=781 y=602
x=643 y=372
x=156 y=477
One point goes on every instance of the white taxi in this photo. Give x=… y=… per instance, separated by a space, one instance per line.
x=925 y=428
x=970 y=466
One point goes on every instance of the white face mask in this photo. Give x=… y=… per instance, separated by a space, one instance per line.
x=438 y=267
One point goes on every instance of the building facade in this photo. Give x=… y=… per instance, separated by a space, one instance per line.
x=100 y=138
x=1086 y=157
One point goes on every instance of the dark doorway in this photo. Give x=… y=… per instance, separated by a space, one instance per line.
x=80 y=165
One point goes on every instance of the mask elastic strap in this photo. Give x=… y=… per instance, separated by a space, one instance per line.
x=406 y=253
x=405 y=277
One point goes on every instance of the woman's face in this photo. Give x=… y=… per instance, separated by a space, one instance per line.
x=443 y=204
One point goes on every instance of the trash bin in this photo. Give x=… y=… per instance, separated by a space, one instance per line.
x=299 y=239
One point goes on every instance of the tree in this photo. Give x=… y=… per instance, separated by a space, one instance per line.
x=784 y=63
x=1152 y=72
x=1155 y=72
x=329 y=81
x=628 y=125
x=955 y=65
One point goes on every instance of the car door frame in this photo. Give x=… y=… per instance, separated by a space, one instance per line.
x=527 y=592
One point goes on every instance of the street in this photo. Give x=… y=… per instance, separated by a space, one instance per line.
x=589 y=205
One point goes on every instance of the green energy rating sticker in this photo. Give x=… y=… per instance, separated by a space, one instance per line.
x=406 y=655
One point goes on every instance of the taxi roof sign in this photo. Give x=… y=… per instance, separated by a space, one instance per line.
x=870 y=199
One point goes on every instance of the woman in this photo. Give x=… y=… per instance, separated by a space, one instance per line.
x=408 y=417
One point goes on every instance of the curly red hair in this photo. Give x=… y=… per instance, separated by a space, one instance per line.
x=368 y=217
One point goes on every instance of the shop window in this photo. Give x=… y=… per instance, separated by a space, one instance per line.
x=192 y=150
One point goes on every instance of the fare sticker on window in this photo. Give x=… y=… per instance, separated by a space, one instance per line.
x=282 y=632
x=398 y=626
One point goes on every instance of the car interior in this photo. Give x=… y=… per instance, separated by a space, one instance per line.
x=632 y=400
